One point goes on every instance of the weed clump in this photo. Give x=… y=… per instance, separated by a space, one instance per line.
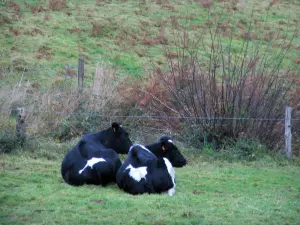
x=56 y=5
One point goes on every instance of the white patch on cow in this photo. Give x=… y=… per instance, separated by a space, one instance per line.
x=91 y=162
x=137 y=173
x=171 y=171
x=170 y=141
x=142 y=146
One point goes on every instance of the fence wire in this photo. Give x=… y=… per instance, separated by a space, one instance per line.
x=152 y=116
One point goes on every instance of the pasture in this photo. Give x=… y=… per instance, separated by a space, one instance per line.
x=208 y=192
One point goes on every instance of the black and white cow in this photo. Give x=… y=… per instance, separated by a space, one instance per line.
x=142 y=172
x=166 y=148
x=94 y=160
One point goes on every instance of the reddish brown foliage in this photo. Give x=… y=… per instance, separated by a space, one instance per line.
x=4 y=20
x=174 y=22
x=35 y=85
x=297 y=61
x=206 y=3
x=70 y=72
x=248 y=36
x=74 y=29
x=195 y=192
x=295 y=94
x=100 y=201
x=240 y=26
x=14 y=6
x=282 y=22
x=132 y=42
x=146 y=94
x=272 y=3
x=44 y=52
x=37 y=9
x=34 y=32
x=172 y=55
x=209 y=23
x=97 y=29
x=269 y=36
x=15 y=31
x=159 y=40
x=195 y=26
x=225 y=29
x=56 y=5
x=69 y=13
x=47 y=16
x=168 y=7
x=140 y=53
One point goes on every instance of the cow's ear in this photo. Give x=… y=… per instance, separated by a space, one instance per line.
x=163 y=147
x=115 y=127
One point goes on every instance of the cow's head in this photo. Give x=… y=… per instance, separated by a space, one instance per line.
x=118 y=139
x=171 y=152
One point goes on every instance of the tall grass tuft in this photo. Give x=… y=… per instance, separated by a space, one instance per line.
x=61 y=112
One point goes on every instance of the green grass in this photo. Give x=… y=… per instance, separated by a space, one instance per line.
x=208 y=192
x=124 y=24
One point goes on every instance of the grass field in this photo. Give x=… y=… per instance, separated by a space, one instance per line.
x=208 y=192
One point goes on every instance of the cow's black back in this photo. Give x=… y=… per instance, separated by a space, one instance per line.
x=95 y=146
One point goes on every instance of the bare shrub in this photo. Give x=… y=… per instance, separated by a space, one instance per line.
x=224 y=89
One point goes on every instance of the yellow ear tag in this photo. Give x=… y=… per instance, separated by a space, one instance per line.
x=163 y=148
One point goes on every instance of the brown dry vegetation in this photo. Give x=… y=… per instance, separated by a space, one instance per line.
x=14 y=6
x=33 y=32
x=56 y=5
x=44 y=52
x=47 y=111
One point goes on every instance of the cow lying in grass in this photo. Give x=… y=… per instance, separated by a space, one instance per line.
x=142 y=172
x=166 y=148
x=94 y=160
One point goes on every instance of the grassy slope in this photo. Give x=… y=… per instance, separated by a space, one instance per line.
x=122 y=28
x=32 y=191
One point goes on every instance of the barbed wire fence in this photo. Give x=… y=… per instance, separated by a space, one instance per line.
x=75 y=75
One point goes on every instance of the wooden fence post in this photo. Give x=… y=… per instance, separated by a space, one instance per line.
x=21 y=125
x=288 y=132
x=80 y=73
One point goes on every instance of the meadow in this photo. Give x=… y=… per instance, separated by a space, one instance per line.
x=265 y=191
